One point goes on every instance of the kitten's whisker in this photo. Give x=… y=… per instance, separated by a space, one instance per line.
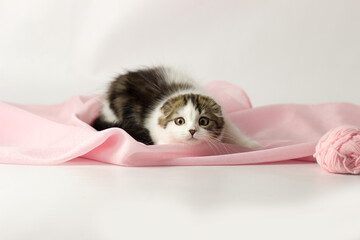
x=216 y=152
x=209 y=144
x=219 y=143
x=216 y=142
x=226 y=148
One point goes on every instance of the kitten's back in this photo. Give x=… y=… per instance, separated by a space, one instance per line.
x=136 y=93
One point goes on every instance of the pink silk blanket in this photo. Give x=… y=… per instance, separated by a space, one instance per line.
x=45 y=135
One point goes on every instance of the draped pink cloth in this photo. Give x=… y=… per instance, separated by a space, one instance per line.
x=39 y=134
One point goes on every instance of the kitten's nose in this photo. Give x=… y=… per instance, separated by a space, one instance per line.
x=192 y=131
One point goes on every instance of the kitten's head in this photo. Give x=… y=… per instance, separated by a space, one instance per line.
x=191 y=118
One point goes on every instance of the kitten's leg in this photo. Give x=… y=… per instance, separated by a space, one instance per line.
x=233 y=135
x=100 y=124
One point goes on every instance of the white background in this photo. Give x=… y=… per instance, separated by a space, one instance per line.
x=278 y=51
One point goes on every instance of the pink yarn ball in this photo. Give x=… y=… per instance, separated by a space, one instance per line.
x=338 y=151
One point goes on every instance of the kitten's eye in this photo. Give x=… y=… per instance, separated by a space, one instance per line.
x=179 y=121
x=204 y=121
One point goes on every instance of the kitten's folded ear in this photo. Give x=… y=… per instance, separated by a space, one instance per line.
x=217 y=111
x=172 y=104
x=166 y=109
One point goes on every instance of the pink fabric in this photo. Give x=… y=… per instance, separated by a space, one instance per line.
x=33 y=134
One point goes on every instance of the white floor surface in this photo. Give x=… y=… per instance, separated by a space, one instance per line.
x=88 y=200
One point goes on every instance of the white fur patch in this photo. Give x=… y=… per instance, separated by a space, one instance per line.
x=107 y=113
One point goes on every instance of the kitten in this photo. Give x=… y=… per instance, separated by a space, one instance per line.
x=161 y=106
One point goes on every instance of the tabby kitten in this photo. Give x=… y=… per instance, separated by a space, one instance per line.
x=161 y=106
